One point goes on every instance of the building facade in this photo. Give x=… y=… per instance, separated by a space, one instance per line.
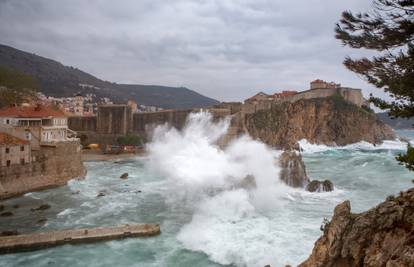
x=36 y=124
x=14 y=151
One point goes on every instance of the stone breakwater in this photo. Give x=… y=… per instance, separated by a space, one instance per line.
x=28 y=242
x=382 y=236
x=55 y=164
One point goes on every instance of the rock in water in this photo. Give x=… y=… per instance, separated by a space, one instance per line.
x=9 y=233
x=293 y=171
x=124 y=175
x=382 y=236
x=319 y=186
x=6 y=214
x=42 y=207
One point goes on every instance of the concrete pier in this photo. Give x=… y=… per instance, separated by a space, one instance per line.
x=28 y=242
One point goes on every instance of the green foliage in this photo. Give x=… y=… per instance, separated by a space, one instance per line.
x=130 y=140
x=407 y=159
x=13 y=79
x=16 y=87
x=388 y=30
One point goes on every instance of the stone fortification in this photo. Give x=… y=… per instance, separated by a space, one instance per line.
x=322 y=116
x=54 y=165
x=330 y=121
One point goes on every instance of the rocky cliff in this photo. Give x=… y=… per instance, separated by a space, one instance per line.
x=382 y=236
x=331 y=121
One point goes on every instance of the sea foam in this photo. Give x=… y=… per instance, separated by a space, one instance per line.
x=226 y=221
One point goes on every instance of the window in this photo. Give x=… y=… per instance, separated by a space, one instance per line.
x=22 y=161
x=7 y=150
x=7 y=121
x=8 y=163
x=22 y=148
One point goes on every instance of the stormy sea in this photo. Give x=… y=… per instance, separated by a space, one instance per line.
x=196 y=191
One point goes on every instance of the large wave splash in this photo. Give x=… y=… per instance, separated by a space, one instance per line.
x=215 y=185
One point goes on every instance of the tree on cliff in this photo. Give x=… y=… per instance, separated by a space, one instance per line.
x=389 y=30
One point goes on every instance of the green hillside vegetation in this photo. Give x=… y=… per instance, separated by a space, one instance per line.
x=16 y=87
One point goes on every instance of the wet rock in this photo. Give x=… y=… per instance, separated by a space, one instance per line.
x=6 y=214
x=249 y=182
x=42 y=221
x=124 y=175
x=101 y=193
x=9 y=233
x=41 y=207
x=1 y=207
x=16 y=206
x=320 y=186
x=381 y=236
x=76 y=192
x=293 y=171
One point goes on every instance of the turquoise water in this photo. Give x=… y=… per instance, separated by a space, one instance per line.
x=199 y=234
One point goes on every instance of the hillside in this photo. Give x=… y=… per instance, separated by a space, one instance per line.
x=398 y=123
x=58 y=80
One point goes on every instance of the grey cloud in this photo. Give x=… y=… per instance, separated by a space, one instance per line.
x=224 y=49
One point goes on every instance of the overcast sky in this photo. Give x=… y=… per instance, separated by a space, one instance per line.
x=225 y=49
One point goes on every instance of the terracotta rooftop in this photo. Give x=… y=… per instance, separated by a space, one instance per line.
x=7 y=139
x=31 y=112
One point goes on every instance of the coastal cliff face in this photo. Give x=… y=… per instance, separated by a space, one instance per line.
x=382 y=236
x=330 y=121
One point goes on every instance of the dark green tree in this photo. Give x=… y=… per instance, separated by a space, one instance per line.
x=388 y=29
x=130 y=140
x=16 y=87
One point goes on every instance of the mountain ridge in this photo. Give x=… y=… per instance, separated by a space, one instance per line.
x=58 y=80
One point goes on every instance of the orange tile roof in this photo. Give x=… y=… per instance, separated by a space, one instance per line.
x=31 y=112
x=7 y=139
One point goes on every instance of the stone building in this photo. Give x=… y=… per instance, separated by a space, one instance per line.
x=78 y=103
x=114 y=119
x=14 y=151
x=318 y=89
x=133 y=105
x=259 y=97
x=321 y=84
x=36 y=124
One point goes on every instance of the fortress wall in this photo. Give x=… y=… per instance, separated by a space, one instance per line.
x=82 y=123
x=349 y=94
x=114 y=119
x=314 y=93
x=55 y=165
x=143 y=122
x=352 y=95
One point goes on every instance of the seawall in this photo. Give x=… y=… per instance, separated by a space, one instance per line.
x=54 y=165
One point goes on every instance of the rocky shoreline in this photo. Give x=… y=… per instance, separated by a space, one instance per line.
x=381 y=236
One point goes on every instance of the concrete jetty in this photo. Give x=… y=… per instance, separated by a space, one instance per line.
x=28 y=242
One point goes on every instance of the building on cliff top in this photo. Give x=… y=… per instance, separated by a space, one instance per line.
x=13 y=151
x=259 y=97
x=318 y=89
x=36 y=124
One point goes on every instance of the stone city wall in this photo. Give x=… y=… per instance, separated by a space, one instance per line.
x=55 y=164
x=82 y=123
